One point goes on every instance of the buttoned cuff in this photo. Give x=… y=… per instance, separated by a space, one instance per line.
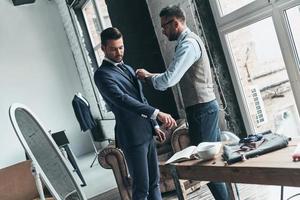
x=155 y=113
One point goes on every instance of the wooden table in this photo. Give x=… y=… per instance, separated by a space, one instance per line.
x=275 y=168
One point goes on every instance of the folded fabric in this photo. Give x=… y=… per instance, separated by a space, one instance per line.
x=252 y=138
x=236 y=152
x=251 y=145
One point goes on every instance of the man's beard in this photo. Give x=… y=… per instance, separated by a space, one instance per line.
x=117 y=60
x=173 y=37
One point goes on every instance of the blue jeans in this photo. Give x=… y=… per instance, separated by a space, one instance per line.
x=203 y=121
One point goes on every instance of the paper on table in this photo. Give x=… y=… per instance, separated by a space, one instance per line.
x=204 y=151
x=185 y=154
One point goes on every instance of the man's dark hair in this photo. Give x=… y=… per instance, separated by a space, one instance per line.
x=172 y=11
x=111 y=33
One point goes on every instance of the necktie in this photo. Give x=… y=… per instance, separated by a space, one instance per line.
x=125 y=70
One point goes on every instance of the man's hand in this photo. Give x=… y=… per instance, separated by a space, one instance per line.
x=160 y=135
x=143 y=74
x=166 y=119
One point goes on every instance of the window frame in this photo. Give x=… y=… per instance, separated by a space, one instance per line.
x=104 y=110
x=100 y=22
x=90 y=53
x=247 y=15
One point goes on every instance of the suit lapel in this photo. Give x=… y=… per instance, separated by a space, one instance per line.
x=134 y=80
x=119 y=71
x=140 y=88
x=136 y=83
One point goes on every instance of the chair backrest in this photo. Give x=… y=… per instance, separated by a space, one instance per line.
x=43 y=151
x=113 y=158
x=17 y=182
x=98 y=132
x=180 y=138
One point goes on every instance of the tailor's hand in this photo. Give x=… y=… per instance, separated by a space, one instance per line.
x=142 y=74
x=160 y=135
x=166 y=119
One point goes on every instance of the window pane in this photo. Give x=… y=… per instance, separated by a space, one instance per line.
x=263 y=77
x=102 y=8
x=93 y=25
x=228 y=6
x=99 y=55
x=294 y=22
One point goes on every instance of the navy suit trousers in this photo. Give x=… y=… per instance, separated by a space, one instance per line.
x=143 y=167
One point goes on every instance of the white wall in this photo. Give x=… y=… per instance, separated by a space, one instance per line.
x=37 y=69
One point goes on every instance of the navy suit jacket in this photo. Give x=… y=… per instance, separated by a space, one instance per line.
x=127 y=102
x=83 y=114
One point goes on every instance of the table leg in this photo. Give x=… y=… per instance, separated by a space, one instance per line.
x=231 y=192
x=178 y=187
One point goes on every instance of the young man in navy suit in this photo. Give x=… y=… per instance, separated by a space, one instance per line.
x=135 y=118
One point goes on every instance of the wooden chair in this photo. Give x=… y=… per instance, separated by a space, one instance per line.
x=17 y=182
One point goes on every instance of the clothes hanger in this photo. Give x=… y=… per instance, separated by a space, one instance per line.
x=79 y=95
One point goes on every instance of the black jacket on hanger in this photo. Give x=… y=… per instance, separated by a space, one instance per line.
x=83 y=114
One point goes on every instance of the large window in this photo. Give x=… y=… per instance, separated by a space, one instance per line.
x=261 y=41
x=228 y=6
x=293 y=16
x=97 y=19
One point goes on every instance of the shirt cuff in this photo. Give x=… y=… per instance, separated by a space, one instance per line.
x=151 y=79
x=156 y=127
x=157 y=84
x=155 y=113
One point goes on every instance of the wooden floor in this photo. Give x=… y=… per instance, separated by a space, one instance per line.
x=246 y=192
x=110 y=195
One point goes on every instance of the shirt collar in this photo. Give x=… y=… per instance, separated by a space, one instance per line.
x=112 y=62
x=183 y=34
